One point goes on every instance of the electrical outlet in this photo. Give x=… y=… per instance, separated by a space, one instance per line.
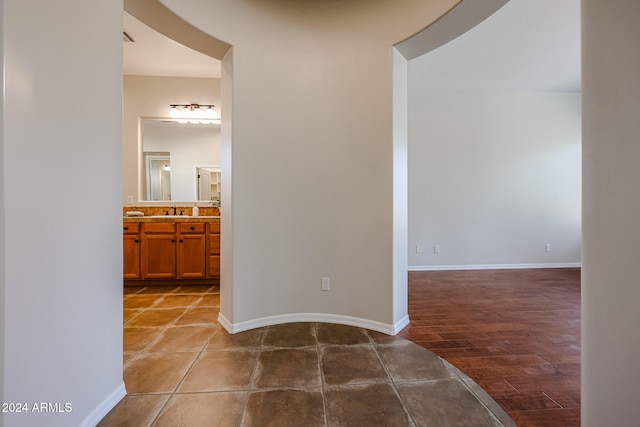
x=129 y=199
x=326 y=284
x=547 y=247
x=418 y=249
x=436 y=249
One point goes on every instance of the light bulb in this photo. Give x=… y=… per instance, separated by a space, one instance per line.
x=210 y=113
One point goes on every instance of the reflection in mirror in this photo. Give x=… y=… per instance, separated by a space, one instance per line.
x=209 y=183
x=183 y=148
x=158 y=176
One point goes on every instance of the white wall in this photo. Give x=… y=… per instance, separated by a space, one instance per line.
x=62 y=241
x=313 y=101
x=2 y=218
x=189 y=146
x=494 y=176
x=146 y=96
x=611 y=242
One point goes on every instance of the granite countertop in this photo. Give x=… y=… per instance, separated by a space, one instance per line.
x=171 y=218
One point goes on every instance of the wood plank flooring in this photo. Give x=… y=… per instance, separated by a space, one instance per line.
x=515 y=332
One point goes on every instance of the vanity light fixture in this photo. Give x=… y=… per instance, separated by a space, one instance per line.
x=194 y=113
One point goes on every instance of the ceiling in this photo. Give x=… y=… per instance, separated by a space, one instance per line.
x=525 y=45
x=153 y=54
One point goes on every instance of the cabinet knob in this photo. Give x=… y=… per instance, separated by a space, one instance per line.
x=192 y=228
x=126 y=228
x=180 y=240
x=136 y=240
x=173 y=240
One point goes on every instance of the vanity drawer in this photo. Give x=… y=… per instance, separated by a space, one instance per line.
x=159 y=227
x=191 y=228
x=131 y=228
x=214 y=227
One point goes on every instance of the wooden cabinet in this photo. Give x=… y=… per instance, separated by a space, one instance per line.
x=171 y=250
x=131 y=250
x=214 y=249
x=158 y=250
x=191 y=256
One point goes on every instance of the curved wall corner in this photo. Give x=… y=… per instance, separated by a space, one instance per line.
x=157 y=16
x=464 y=16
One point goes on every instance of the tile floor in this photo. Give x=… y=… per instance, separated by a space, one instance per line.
x=183 y=369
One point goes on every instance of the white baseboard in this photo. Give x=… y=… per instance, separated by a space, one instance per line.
x=493 y=266
x=107 y=405
x=400 y=324
x=385 y=328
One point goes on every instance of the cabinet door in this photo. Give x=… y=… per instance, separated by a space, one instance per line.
x=214 y=250
x=191 y=256
x=158 y=256
x=131 y=256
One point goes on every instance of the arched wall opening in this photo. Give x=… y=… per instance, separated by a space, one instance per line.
x=361 y=245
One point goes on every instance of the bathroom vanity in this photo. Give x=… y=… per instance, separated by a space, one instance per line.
x=163 y=249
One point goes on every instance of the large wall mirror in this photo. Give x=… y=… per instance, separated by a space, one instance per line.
x=180 y=161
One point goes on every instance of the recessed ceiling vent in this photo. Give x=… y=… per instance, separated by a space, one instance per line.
x=127 y=38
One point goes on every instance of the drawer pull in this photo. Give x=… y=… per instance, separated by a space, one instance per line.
x=192 y=228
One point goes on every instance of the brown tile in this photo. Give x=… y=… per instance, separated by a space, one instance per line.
x=157 y=372
x=183 y=338
x=287 y=368
x=219 y=371
x=129 y=313
x=128 y=290
x=351 y=365
x=445 y=402
x=208 y=300
x=171 y=301
x=156 y=317
x=199 y=316
x=195 y=289
x=290 y=335
x=223 y=340
x=139 y=301
x=365 y=405
x=128 y=357
x=160 y=289
x=383 y=339
x=136 y=339
x=329 y=333
x=411 y=362
x=135 y=411
x=285 y=408
x=218 y=409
